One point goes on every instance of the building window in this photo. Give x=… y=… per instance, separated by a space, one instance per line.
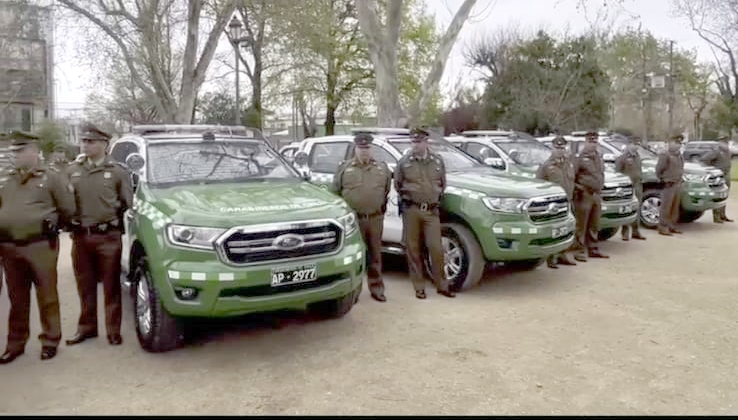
x=26 y=119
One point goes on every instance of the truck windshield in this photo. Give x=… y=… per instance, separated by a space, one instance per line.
x=524 y=152
x=642 y=151
x=214 y=161
x=453 y=158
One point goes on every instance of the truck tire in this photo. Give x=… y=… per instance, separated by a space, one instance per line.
x=336 y=308
x=463 y=263
x=606 y=234
x=689 y=216
x=525 y=265
x=650 y=208
x=157 y=331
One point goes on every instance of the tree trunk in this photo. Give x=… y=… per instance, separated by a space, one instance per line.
x=330 y=120
x=389 y=108
x=331 y=96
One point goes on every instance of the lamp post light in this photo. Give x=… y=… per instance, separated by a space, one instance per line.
x=234 y=33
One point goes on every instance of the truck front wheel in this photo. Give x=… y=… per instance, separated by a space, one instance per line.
x=651 y=209
x=463 y=263
x=157 y=331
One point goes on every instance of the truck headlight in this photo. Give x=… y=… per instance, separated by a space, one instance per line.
x=693 y=177
x=504 y=205
x=193 y=236
x=349 y=223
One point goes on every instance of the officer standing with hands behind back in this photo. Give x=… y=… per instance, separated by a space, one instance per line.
x=420 y=179
x=559 y=169
x=589 y=178
x=103 y=192
x=721 y=158
x=365 y=184
x=35 y=201
x=669 y=170
x=629 y=163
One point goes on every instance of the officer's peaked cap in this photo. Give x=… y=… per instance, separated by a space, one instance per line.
x=363 y=139
x=21 y=138
x=419 y=133
x=90 y=132
x=559 y=141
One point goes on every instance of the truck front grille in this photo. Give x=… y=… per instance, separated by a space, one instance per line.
x=262 y=243
x=618 y=193
x=544 y=209
x=715 y=181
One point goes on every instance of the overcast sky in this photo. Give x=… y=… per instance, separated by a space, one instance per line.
x=554 y=15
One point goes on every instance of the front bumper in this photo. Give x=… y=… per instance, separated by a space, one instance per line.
x=225 y=291
x=703 y=198
x=524 y=240
x=618 y=213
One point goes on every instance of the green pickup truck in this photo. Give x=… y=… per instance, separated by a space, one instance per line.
x=487 y=215
x=222 y=226
x=703 y=187
x=519 y=153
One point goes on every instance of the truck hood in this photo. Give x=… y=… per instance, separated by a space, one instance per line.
x=611 y=176
x=497 y=183
x=226 y=205
x=689 y=167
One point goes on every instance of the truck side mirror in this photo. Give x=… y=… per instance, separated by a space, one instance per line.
x=496 y=163
x=608 y=157
x=300 y=163
x=135 y=162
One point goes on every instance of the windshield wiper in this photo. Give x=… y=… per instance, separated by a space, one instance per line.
x=222 y=155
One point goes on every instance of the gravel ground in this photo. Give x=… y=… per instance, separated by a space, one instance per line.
x=653 y=330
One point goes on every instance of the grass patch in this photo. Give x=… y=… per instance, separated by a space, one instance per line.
x=734 y=171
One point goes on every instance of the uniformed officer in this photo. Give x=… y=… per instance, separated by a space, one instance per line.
x=34 y=202
x=559 y=169
x=589 y=178
x=420 y=179
x=58 y=158
x=669 y=170
x=629 y=163
x=103 y=192
x=720 y=158
x=365 y=185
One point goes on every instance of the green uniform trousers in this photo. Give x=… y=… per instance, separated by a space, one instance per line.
x=371 y=230
x=424 y=228
x=669 y=210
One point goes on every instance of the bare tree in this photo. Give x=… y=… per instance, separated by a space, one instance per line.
x=145 y=34
x=382 y=40
x=716 y=22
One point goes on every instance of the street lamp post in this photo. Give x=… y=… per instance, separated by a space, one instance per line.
x=234 y=33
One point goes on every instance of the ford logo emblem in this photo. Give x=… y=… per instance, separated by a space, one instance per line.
x=288 y=241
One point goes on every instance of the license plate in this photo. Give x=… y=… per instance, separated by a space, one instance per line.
x=624 y=209
x=560 y=231
x=723 y=195
x=291 y=275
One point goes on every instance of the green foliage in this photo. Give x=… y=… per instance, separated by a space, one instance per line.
x=418 y=46
x=544 y=84
x=52 y=134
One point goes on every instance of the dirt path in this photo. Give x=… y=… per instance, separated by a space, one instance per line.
x=653 y=330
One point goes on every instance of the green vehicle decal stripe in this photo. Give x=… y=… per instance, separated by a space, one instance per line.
x=321 y=177
x=474 y=195
x=147 y=210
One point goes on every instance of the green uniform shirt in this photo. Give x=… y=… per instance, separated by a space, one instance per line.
x=559 y=170
x=589 y=171
x=421 y=179
x=670 y=167
x=30 y=197
x=629 y=163
x=364 y=186
x=102 y=191
x=719 y=159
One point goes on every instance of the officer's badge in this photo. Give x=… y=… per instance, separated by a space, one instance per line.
x=107 y=175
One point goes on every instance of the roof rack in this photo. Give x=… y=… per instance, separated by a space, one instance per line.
x=195 y=129
x=486 y=133
x=380 y=130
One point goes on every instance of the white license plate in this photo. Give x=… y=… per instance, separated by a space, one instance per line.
x=723 y=195
x=624 y=209
x=560 y=231
x=291 y=275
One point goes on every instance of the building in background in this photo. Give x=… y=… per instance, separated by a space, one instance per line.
x=26 y=64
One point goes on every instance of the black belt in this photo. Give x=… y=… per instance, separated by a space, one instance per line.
x=367 y=216
x=33 y=239
x=425 y=206
x=96 y=229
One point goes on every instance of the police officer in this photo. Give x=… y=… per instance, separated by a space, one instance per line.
x=34 y=202
x=420 y=179
x=589 y=178
x=365 y=184
x=103 y=192
x=720 y=158
x=669 y=170
x=629 y=163
x=559 y=169
x=58 y=158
